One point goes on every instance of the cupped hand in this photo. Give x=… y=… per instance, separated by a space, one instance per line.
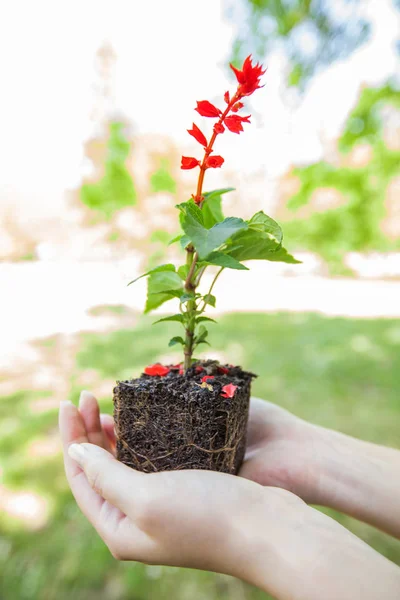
x=283 y=451
x=197 y=519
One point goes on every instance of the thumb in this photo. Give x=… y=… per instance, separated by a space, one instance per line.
x=114 y=481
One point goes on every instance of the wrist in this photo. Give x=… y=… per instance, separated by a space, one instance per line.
x=360 y=479
x=293 y=551
x=262 y=538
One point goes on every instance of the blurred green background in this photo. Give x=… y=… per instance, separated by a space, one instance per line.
x=339 y=373
x=336 y=194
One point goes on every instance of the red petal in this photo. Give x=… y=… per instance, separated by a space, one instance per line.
x=239 y=74
x=249 y=77
x=223 y=370
x=206 y=109
x=203 y=379
x=199 y=369
x=219 y=128
x=228 y=391
x=227 y=97
x=198 y=135
x=188 y=162
x=156 y=369
x=214 y=162
x=234 y=122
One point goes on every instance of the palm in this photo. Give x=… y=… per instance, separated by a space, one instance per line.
x=280 y=450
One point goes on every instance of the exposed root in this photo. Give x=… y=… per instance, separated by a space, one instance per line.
x=172 y=423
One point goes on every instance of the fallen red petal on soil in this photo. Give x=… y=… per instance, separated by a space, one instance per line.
x=157 y=369
x=228 y=391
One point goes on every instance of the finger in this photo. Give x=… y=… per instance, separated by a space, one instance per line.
x=115 y=482
x=89 y=409
x=114 y=528
x=72 y=431
x=107 y=423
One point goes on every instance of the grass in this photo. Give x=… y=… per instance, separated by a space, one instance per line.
x=337 y=372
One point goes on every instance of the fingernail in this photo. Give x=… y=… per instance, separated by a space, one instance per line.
x=84 y=394
x=77 y=452
x=66 y=403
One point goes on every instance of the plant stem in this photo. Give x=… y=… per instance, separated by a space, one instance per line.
x=192 y=282
x=211 y=288
x=191 y=308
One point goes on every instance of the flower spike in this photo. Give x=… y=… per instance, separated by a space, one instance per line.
x=214 y=162
x=249 y=77
x=198 y=135
x=206 y=109
x=188 y=162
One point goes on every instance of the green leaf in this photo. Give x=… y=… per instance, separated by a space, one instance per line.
x=178 y=318
x=264 y=223
x=161 y=268
x=254 y=245
x=176 y=340
x=161 y=287
x=219 y=192
x=202 y=335
x=224 y=260
x=184 y=241
x=191 y=208
x=261 y=241
x=257 y=245
x=155 y=300
x=207 y=240
x=203 y=319
x=282 y=255
x=163 y=281
x=212 y=211
x=210 y=299
x=175 y=239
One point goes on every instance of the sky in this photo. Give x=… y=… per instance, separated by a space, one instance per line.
x=169 y=54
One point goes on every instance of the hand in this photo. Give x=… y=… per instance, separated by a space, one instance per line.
x=213 y=521
x=323 y=466
x=185 y=518
x=283 y=451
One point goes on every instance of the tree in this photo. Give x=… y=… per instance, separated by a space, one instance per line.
x=115 y=190
x=355 y=225
x=311 y=33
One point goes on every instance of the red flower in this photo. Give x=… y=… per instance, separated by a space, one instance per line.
x=234 y=122
x=223 y=370
x=176 y=367
x=203 y=379
x=214 y=162
x=237 y=106
x=157 y=369
x=227 y=97
x=198 y=135
x=219 y=128
x=199 y=369
x=188 y=162
x=181 y=371
x=249 y=77
x=228 y=391
x=206 y=109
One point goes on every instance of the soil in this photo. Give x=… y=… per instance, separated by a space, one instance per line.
x=176 y=422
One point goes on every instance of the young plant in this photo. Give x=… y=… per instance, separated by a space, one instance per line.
x=209 y=238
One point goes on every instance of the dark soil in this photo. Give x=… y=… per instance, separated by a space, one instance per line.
x=172 y=422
